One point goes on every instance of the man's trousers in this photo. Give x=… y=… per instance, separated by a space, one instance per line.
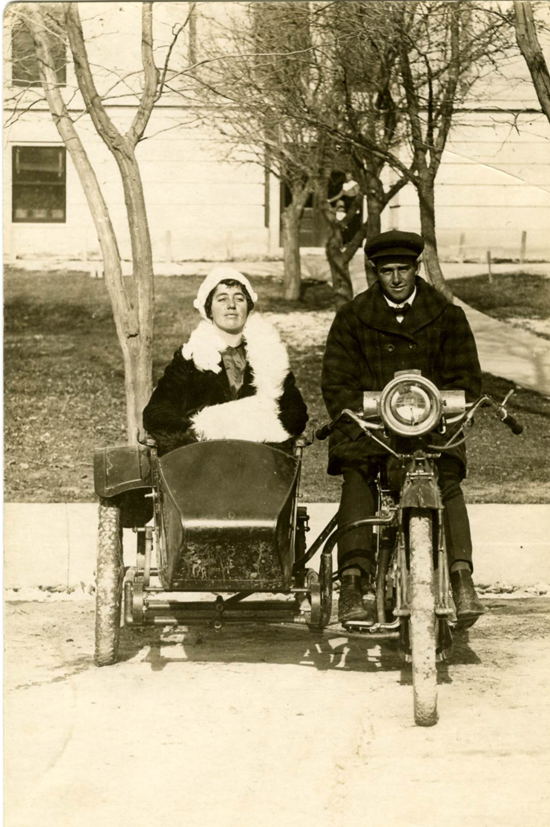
x=356 y=549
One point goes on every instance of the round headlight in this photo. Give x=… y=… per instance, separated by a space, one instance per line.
x=410 y=405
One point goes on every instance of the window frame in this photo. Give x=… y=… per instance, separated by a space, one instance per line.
x=59 y=53
x=15 y=183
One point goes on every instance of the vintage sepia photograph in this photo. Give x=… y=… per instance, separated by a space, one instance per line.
x=276 y=413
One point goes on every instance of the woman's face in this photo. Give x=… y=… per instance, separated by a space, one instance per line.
x=229 y=308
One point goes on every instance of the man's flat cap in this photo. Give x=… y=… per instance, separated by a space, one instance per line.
x=394 y=243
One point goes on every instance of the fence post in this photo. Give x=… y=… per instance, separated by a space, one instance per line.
x=168 y=246
x=461 y=247
x=489 y=267
x=523 y=246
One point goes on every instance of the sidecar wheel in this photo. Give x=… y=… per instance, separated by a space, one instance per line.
x=109 y=578
x=422 y=621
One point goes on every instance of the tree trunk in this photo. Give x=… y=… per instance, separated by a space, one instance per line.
x=528 y=42
x=139 y=357
x=136 y=294
x=430 y=255
x=373 y=226
x=137 y=383
x=339 y=267
x=291 y=252
x=337 y=257
x=124 y=313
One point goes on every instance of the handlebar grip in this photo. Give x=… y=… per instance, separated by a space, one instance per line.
x=322 y=433
x=512 y=423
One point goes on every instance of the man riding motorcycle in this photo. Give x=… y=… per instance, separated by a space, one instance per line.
x=400 y=323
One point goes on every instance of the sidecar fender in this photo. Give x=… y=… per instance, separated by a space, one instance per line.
x=120 y=469
x=420 y=493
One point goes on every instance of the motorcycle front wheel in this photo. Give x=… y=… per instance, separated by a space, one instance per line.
x=109 y=577
x=422 y=619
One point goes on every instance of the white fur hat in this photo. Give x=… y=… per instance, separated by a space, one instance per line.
x=213 y=279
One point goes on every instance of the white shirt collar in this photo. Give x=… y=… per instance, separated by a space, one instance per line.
x=401 y=304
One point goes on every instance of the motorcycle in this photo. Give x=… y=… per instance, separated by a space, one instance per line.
x=222 y=518
x=413 y=597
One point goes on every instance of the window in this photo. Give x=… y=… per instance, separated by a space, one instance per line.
x=38 y=184
x=24 y=70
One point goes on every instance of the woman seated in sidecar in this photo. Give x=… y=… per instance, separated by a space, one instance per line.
x=231 y=379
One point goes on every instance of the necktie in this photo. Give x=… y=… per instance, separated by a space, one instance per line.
x=401 y=311
x=234 y=361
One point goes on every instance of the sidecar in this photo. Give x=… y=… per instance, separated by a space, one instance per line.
x=219 y=538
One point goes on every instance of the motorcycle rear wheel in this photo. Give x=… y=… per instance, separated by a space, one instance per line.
x=109 y=577
x=422 y=620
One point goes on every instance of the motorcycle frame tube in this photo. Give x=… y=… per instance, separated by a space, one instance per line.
x=353 y=524
x=299 y=565
x=298 y=451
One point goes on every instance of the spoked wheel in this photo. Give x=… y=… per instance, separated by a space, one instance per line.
x=320 y=592
x=422 y=621
x=108 y=583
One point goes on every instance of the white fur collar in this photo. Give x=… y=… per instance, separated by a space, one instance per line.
x=254 y=418
x=265 y=351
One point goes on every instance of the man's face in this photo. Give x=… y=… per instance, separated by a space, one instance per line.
x=229 y=308
x=397 y=276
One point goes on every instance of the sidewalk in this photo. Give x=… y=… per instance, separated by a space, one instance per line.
x=51 y=544
x=517 y=355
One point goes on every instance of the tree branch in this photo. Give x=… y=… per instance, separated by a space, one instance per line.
x=92 y=99
x=125 y=318
x=150 y=74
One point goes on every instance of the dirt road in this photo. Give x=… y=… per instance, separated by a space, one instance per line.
x=272 y=727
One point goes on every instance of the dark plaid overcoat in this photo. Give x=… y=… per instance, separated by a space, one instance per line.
x=366 y=345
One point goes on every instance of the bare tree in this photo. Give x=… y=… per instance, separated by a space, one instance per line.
x=411 y=65
x=528 y=42
x=363 y=55
x=258 y=72
x=132 y=298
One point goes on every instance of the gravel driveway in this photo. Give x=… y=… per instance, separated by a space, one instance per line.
x=272 y=726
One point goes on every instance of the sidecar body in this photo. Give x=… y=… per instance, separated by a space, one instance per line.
x=219 y=517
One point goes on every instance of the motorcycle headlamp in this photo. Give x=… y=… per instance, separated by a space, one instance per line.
x=410 y=405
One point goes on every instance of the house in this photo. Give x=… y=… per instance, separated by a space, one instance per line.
x=492 y=192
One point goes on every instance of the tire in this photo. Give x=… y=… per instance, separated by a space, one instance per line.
x=422 y=621
x=109 y=579
x=312 y=583
x=325 y=583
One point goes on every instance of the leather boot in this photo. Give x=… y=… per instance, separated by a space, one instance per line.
x=468 y=605
x=350 y=602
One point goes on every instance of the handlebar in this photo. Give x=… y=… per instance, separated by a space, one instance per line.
x=467 y=417
x=512 y=423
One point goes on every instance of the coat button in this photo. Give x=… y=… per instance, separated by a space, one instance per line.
x=390 y=348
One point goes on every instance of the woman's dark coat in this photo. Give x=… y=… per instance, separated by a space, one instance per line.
x=184 y=390
x=367 y=345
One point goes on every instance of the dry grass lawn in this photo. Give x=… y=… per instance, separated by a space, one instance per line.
x=64 y=389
